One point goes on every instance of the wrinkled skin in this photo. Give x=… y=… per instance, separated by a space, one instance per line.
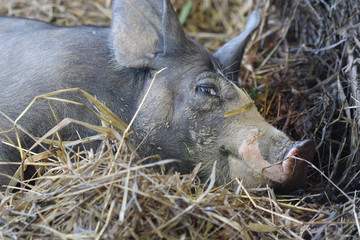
x=183 y=116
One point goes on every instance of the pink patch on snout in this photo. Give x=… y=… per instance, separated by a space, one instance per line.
x=290 y=173
x=252 y=156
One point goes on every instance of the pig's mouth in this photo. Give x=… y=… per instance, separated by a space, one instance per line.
x=287 y=174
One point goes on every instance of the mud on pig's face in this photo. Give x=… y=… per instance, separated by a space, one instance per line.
x=245 y=146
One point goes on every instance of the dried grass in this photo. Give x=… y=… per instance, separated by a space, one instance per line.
x=304 y=78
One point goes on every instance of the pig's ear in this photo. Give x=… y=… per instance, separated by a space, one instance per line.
x=143 y=29
x=229 y=56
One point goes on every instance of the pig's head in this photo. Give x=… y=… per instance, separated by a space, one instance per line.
x=183 y=116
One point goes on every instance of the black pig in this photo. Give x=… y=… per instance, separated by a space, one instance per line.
x=183 y=116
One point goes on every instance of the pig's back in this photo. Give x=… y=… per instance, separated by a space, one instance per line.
x=35 y=53
x=38 y=57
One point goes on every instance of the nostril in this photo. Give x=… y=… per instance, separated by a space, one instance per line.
x=294 y=166
x=304 y=149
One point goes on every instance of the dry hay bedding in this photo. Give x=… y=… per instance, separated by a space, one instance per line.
x=302 y=71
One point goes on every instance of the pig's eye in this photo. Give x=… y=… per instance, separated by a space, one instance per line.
x=210 y=90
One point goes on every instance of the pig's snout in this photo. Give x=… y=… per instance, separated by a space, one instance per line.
x=295 y=166
x=287 y=173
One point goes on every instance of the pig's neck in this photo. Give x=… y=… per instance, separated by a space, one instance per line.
x=127 y=89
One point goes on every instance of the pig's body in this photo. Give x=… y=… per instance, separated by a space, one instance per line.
x=182 y=118
x=30 y=66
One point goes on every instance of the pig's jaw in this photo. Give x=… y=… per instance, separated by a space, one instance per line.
x=288 y=173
